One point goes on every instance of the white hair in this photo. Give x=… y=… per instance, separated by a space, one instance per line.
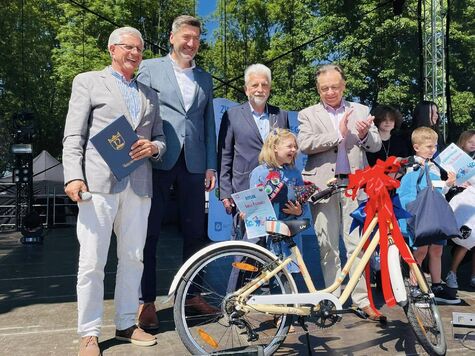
x=257 y=69
x=116 y=35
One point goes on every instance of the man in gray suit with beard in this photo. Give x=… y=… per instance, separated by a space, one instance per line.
x=242 y=133
x=97 y=99
x=185 y=94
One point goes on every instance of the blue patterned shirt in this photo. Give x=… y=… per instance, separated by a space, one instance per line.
x=130 y=93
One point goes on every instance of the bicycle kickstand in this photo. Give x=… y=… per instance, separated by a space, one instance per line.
x=301 y=320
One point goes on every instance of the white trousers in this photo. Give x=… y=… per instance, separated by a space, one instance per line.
x=332 y=220
x=126 y=213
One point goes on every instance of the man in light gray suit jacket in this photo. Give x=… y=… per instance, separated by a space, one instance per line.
x=242 y=133
x=335 y=134
x=185 y=94
x=97 y=99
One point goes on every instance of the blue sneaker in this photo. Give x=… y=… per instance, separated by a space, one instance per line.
x=451 y=280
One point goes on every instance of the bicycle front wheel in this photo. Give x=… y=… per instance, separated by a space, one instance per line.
x=423 y=316
x=214 y=324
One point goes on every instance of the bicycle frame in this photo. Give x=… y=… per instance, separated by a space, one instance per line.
x=272 y=304
x=257 y=313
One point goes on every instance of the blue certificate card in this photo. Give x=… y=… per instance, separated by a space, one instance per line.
x=456 y=160
x=256 y=206
x=113 y=143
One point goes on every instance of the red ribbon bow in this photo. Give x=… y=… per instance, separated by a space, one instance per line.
x=376 y=183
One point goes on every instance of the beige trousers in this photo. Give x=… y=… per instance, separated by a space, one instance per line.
x=126 y=214
x=331 y=220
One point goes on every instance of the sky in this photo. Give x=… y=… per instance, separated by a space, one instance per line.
x=205 y=10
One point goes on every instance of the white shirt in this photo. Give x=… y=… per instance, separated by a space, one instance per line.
x=186 y=82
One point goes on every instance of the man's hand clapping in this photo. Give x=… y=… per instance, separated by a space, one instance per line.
x=343 y=125
x=362 y=126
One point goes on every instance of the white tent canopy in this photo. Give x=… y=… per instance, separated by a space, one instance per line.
x=46 y=166
x=54 y=169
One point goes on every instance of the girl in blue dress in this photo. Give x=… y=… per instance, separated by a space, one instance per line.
x=283 y=183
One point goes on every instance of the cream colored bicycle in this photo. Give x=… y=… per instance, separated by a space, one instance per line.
x=253 y=298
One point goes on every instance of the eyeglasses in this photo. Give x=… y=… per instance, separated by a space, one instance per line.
x=333 y=88
x=129 y=48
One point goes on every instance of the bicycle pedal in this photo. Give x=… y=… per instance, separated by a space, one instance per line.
x=359 y=313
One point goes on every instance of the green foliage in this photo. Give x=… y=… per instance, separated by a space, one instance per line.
x=25 y=72
x=462 y=63
x=55 y=40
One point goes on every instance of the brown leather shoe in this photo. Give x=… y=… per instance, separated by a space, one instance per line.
x=372 y=314
x=89 y=346
x=200 y=306
x=148 y=319
x=136 y=336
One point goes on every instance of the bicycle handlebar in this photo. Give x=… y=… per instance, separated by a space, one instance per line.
x=404 y=162
x=325 y=193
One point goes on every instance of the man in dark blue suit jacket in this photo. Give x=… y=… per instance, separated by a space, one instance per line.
x=242 y=133
x=185 y=95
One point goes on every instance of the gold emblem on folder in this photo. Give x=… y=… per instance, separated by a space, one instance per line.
x=117 y=141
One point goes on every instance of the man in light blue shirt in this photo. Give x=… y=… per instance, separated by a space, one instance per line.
x=242 y=133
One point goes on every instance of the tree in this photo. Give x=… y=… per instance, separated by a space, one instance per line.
x=294 y=37
x=462 y=63
x=47 y=43
x=50 y=42
x=26 y=76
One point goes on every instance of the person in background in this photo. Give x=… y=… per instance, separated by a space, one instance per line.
x=336 y=134
x=463 y=205
x=97 y=99
x=185 y=95
x=241 y=135
x=426 y=114
x=388 y=120
x=466 y=142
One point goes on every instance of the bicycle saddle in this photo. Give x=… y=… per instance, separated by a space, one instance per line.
x=287 y=228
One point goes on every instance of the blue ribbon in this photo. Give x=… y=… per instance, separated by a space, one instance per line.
x=359 y=215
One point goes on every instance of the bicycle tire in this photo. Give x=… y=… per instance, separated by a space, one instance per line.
x=214 y=279
x=424 y=317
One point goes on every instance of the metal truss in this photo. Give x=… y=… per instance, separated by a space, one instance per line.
x=433 y=36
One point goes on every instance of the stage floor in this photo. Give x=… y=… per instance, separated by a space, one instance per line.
x=38 y=306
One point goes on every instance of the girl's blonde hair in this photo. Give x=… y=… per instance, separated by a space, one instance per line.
x=464 y=137
x=274 y=138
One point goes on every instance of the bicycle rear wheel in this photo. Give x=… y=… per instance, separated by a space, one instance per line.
x=423 y=316
x=214 y=278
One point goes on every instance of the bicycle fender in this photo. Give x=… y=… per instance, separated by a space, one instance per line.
x=201 y=253
x=395 y=274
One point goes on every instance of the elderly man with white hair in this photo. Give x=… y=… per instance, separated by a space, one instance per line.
x=242 y=133
x=122 y=206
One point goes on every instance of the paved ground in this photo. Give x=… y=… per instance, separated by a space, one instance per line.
x=38 y=308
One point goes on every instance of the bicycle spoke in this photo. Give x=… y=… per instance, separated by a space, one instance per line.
x=215 y=280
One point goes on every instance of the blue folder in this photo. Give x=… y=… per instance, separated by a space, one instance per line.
x=113 y=143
